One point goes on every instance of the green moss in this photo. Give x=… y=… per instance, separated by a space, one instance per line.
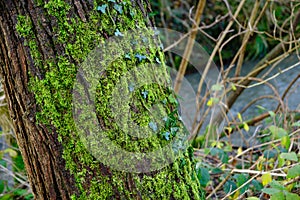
x=53 y=95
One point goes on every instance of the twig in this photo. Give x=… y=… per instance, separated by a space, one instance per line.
x=257 y=172
x=189 y=47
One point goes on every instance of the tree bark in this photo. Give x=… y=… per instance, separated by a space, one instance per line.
x=41 y=46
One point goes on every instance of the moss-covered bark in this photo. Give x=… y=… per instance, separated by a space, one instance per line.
x=42 y=46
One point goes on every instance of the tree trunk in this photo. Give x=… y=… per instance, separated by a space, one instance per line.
x=41 y=47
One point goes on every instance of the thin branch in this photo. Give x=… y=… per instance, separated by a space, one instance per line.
x=189 y=46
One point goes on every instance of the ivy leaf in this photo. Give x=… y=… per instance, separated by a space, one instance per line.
x=229 y=186
x=291 y=196
x=278 y=196
x=2 y=186
x=114 y=1
x=127 y=56
x=277 y=185
x=140 y=57
x=241 y=179
x=131 y=87
x=270 y=153
x=118 y=33
x=145 y=94
x=203 y=176
x=167 y=135
x=153 y=126
x=277 y=132
x=161 y=46
x=118 y=8
x=102 y=8
x=289 y=156
x=271 y=191
x=294 y=172
x=157 y=60
x=257 y=185
x=174 y=130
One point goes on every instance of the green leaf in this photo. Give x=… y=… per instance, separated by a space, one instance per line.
x=166 y=135
x=272 y=153
x=3 y=163
x=294 y=172
x=277 y=132
x=296 y=124
x=6 y=197
x=292 y=196
x=217 y=87
x=252 y=198
x=277 y=185
x=272 y=114
x=29 y=197
x=289 y=156
x=257 y=185
x=20 y=192
x=11 y=152
x=118 y=33
x=271 y=191
x=260 y=107
x=223 y=156
x=278 y=196
x=229 y=186
x=203 y=176
x=118 y=8
x=216 y=171
x=102 y=8
x=2 y=186
x=286 y=141
x=281 y=161
x=241 y=179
